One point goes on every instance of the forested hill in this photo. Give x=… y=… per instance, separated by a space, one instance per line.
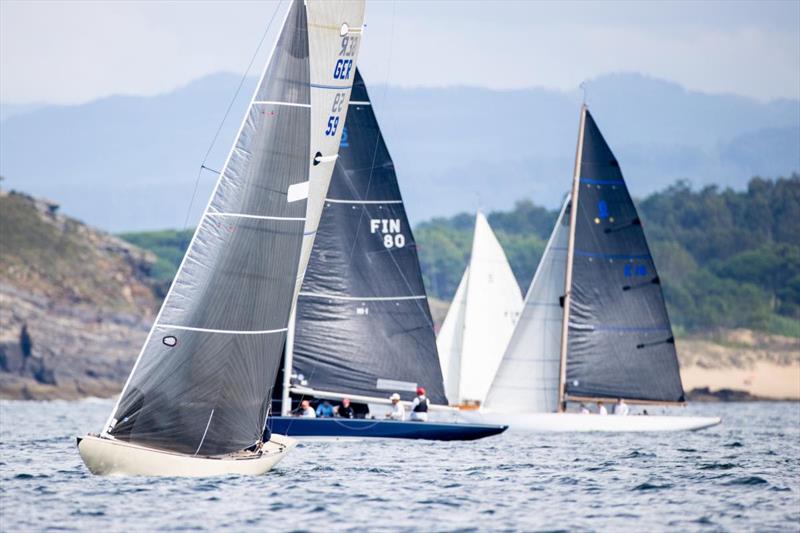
x=727 y=258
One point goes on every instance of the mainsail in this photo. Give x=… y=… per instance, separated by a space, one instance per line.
x=620 y=338
x=480 y=321
x=363 y=326
x=201 y=383
x=528 y=376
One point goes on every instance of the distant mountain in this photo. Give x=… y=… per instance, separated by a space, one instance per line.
x=130 y=163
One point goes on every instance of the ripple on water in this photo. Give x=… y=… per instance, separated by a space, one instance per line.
x=652 y=486
x=636 y=454
x=717 y=466
x=748 y=480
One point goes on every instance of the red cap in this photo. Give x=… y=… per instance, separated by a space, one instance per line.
x=420 y=391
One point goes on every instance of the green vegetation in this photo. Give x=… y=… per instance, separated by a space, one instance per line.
x=57 y=256
x=169 y=246
x=727 y=258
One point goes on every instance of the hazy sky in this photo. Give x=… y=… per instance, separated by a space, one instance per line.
x=67 y=52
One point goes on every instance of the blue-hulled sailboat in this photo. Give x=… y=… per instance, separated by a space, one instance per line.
x=363 y=329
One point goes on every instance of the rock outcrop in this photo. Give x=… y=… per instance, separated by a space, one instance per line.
x=75 y=303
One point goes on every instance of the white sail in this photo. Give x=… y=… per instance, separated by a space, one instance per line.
x=527 y=380
x=449 y=340
x=333 y=47
x=492 y=303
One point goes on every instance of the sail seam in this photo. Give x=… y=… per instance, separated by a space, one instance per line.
x=257 y=217
x=365 y=299
x=226 y=331
x=354 y=102
x=276 y=102
x=335 y=201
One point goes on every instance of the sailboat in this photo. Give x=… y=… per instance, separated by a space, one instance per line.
x=480 y=320
x=363 y=328
x=594 y=326
x=196 y=401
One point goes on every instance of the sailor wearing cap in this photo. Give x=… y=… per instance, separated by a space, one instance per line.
x=397 y=412
x=419 y=407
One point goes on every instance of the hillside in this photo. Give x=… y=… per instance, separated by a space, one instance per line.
x=75 y=303
x=128 y=163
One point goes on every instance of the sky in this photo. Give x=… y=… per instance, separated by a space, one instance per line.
x=65 y=52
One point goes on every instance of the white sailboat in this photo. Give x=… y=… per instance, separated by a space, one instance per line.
x=594 y=326
x=196 y=401
x=480 y=320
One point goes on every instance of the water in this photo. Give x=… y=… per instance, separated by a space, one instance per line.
x=743 y=475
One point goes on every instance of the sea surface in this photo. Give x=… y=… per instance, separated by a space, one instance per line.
x=741 y=476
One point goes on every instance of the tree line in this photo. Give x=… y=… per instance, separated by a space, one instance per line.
x=727 y=258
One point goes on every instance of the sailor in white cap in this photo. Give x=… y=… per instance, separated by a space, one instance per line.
x=397 y=412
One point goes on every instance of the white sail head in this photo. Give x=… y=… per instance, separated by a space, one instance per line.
x=528 y=376
x=492 y=302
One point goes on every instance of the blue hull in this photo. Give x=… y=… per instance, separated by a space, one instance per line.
x=382 y=429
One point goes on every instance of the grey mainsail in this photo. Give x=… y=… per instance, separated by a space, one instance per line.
x=620 y=338
x=200 y=385
x=363 y=326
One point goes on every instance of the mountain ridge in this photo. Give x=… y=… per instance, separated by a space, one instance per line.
x=127 y=163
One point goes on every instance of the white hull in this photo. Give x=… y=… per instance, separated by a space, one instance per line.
x=113 y=457
x=576 y=422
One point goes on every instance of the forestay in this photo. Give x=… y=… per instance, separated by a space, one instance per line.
x=363 y=326
x=527 y=380
x=620 y=339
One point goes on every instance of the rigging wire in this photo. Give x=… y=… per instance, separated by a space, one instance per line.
x=225 y=116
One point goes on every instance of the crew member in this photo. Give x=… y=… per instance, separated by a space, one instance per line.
x=419 y=407
x=601 y=409
x=621 y=408
x=305 y=410
x=325 y=409
x=344 y=410
x=397 y=412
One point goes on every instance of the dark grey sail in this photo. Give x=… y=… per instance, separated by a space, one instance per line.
x=201 y=384
x=620 y=338
x=363 y=324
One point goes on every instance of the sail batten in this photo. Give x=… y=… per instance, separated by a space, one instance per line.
x=362 y=314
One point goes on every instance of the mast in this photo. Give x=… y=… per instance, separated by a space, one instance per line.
x=286 y=401
x=573 y=215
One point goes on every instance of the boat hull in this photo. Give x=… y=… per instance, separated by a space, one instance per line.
x=387 y=429
x=575 y=422
x=106 y=457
